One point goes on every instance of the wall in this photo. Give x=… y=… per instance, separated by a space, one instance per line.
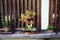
x=44 y=14
x=44 y=18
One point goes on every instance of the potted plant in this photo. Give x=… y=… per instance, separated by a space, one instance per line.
x=5 y=23
x=27 y=18
x=50 y=29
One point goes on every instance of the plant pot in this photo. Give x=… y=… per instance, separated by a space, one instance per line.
x=49 y=31
x=6 y=29
x=32 y=31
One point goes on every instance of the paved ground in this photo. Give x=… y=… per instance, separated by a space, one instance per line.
x=40 y=35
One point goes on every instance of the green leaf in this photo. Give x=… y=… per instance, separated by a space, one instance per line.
x=50 y=27
x=4 y=23
x=29 y=26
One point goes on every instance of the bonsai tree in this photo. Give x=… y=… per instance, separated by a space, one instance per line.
x=50 y=27
x=27 y=18
x=5 y=23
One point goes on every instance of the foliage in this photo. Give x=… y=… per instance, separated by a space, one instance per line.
x=29 y=27
x=27 y=15
x=50 y=27
x=4 y=23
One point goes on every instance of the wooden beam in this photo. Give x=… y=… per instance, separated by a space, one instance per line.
x=14 y=12
x=29 y=4
x=38 y=14
x=58 y=10
x=33 y=5
x=33 y=9
x=22 y=9
x=10 y=11
x=25 y=5
x=51 y=5
x=2 y=11
x=6 y=11
x=21 y=6
x=18 y=13
x=56 y=1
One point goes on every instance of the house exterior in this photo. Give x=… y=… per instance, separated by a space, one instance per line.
x=43 y=15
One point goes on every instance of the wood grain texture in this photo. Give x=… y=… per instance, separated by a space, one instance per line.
x=2 y=10
x=56 y=1
x=51 y=5
x=38 y=14
x=25 y=5
x=14 y=8
x=10 y=11
x=18 y=13
x=22 y=10
x=14 y=12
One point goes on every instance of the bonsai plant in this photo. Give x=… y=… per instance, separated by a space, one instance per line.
x=5 y=23
x=27 y=18
x=50 y=28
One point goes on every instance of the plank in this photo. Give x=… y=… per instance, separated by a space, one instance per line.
x=38 y=14
x=51 y=12
x=14 y=13
x=18 y=13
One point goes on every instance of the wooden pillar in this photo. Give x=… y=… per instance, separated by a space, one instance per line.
x=33 y=5
x=14 y=8
x=38 y=14
x=0 y=15
x=56 y=6
x=29 y=4
x=18 y=13
x=25 y=5
x=22 y=10
x=6 y=11
x=10 y=12
x=58 y=9
x=51 y=5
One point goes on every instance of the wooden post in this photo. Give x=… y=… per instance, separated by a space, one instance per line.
x=25 y=5
x=18 y=13
x=51 y=12
x=29 y=5
x=33 y=4
x=0 y=15
x=10 y=12
x=58 y=13
x=14 y=12
x=6 y=11
x=22 y=10
x=21 y=6
x=56 y=1
x=38 y=14
x=2 y=12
